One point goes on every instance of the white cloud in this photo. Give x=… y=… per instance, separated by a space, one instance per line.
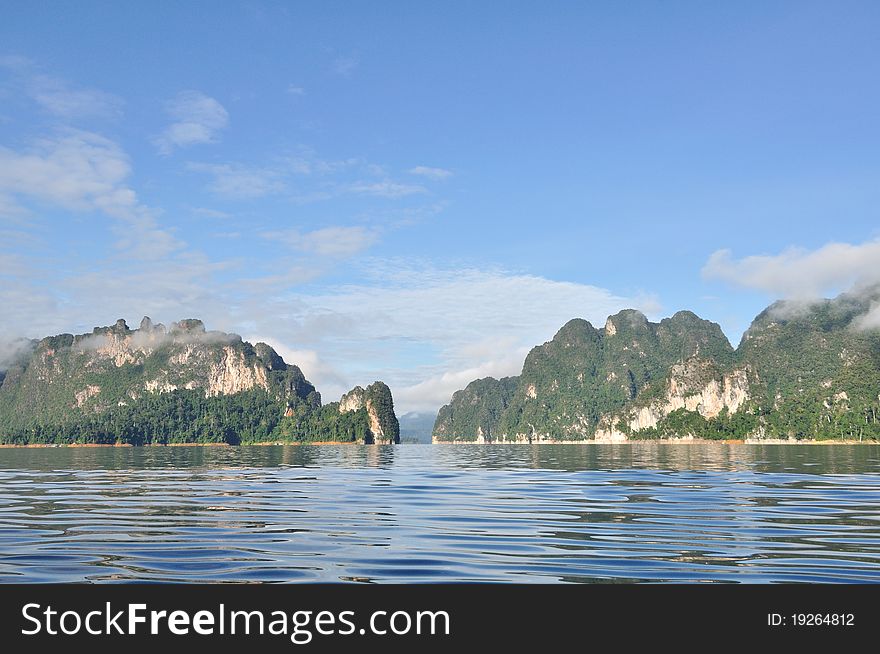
x=11 y=264
x=60 y=99
x=431 y=173
x=237 y=181
x=869 y=320
x=428 y=331
x=305 y=162
x=327 y=242
x=345 y=65
x=386 y=189
x=10 y=211
x=197 y=119
x=798 y=273
x=15 y=63
x=293 y=89
x=75 y=170
x=82 y=171
x=304 y=177
x=10 y=350
x=57 y=96
x=207 y=212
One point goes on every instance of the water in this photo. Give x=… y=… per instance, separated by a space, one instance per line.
x=552 y=513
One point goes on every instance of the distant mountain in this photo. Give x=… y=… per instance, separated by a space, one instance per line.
x=180 y=384
x=802 y=371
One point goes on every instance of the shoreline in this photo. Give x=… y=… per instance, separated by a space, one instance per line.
x=55 y=446
x=675 y=441
x=665 y=441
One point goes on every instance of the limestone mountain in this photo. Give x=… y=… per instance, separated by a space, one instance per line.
x=377 y=402
x=815 y=369
x=801 y=371
x=175 y=384
x=475 y=413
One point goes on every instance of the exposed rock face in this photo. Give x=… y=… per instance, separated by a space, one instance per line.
x=186 y=357
x=86 y=393
x=610 y=329
x=354 y=400
x=377 y=402
x=233 y=374
x=730 y=392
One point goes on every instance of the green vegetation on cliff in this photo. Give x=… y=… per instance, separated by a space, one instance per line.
x=582 y=374
x=475 y=411
x=802 y=371
x=181 y=385
x=817 y=368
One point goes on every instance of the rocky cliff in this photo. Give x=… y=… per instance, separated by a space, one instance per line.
x=802 y=371
x=153 y=383
x=376 y=400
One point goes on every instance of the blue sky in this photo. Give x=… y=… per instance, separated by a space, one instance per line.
x=419 y=192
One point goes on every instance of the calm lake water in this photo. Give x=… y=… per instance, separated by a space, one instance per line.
x=543 y=513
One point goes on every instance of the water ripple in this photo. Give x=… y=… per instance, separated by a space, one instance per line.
x=641 y=512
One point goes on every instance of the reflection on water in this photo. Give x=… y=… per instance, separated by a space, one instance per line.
x=576 y=513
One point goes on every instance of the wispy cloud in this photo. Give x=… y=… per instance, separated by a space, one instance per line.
x=238 y=181
x=16 y=63
x=431 y=173
x=386 y=189
x=345 y=65
x=870 y=319
x=207 y=212
x=59 y=97
x=197 y=118
x=306 y=162
x=327 y=242
x=67 y=102
x=305 y=177
x=10 y=211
